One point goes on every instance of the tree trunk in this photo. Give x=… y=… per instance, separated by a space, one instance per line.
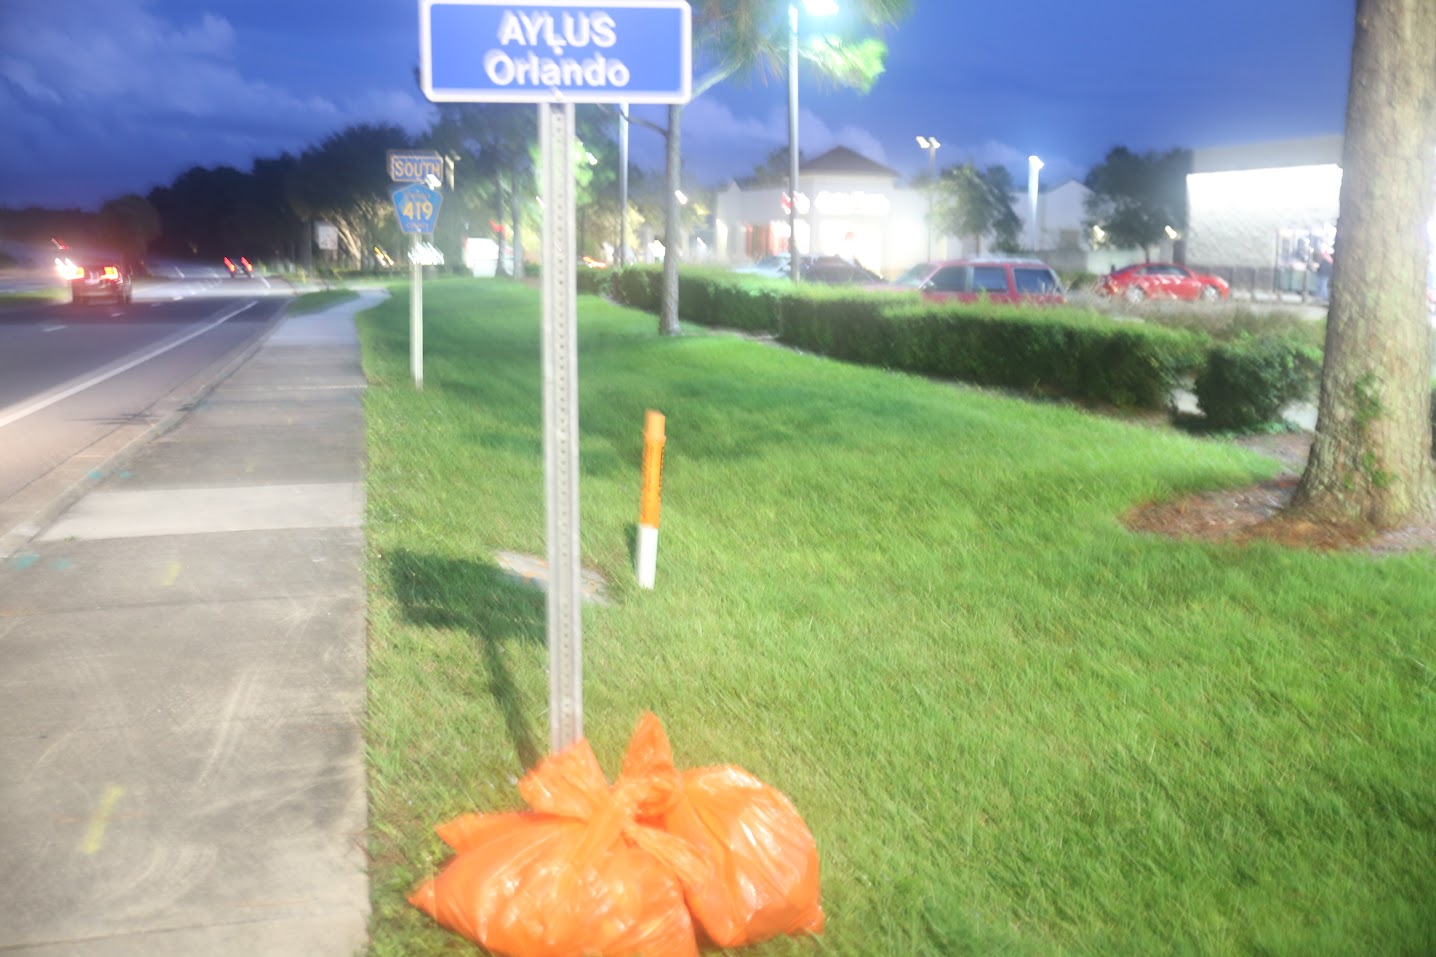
x=516 y=211
x=499 y=203
x=668 y=316
x=1371 y=459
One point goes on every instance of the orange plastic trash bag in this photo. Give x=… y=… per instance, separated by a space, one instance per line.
x=577 y=876
x=762 y=878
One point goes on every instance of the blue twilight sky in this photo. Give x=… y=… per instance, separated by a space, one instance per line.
x=103 y=97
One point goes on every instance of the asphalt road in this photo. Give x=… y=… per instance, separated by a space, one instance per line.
x=72 y=375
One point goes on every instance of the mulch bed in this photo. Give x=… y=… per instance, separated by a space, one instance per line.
x=1254 y=512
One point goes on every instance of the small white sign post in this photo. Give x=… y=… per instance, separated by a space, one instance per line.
x=557 y=54
x=417 y=207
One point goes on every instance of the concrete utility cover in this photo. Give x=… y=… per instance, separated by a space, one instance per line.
x=532 y=570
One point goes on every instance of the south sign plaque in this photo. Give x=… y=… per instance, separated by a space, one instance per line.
x=414 y=166
x=631 y=51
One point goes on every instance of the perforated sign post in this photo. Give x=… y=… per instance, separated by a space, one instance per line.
x=558 y=54
x=417 y=207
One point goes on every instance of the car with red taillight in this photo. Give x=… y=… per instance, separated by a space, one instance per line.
x=239 y=267
x=94 y=278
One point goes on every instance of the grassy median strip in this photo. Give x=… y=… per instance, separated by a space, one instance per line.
x=1013 y=726
x=33 y=297
x=319 y=301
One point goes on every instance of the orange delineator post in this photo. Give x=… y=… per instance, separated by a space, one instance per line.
x=646 y=554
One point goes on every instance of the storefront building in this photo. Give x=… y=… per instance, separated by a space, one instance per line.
x=848 y=205
x=1264 y=214
x=851 y=206
x=1268 y=211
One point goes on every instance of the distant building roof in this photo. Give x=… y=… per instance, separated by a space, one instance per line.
x=1317 y=151
x=842 y=160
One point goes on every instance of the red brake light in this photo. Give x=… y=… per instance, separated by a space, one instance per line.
x=112 y=273
x=245 y=263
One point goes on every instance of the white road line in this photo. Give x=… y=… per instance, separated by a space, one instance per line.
x=52 y=328
x=17 y=412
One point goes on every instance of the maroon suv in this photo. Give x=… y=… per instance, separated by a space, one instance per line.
x=1012 y=281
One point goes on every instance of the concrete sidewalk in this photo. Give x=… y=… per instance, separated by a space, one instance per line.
x=182 y=671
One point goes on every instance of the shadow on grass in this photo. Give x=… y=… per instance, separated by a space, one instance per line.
x=481 y=601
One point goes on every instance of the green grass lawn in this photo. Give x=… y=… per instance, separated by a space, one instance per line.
x=1013 y=726
x=34 y=296
x=319 y=301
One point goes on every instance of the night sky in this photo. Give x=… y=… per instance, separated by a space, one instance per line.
x=103 y=97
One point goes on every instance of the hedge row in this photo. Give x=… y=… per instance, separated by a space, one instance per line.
x=707 y=296
x=1062 y=353
x=1068 y=353
x=1245 y=384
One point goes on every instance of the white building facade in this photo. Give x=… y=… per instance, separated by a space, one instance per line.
x=851 y=206
x=1267 y=210
x=848 y=206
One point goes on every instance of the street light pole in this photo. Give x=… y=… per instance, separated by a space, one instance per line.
x=815 y=8
x=1033 y=165
x=622 y=185
x=930 y=144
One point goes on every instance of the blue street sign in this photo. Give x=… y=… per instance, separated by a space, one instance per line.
x=548 y=51
x=418 y=207
x=414 y=166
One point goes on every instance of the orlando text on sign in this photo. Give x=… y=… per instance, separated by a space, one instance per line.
x=537 y=30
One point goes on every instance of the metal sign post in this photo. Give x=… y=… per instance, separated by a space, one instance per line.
x=560 y=424
x=557 y=53
x=417 y=207
x=416 y=315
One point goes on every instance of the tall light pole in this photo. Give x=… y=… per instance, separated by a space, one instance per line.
x=930 y=144
x=815 y=8
x=622 y=185
x=1033 y=165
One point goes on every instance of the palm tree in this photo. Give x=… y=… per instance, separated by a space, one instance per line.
x=498 y=139
x=743 y=36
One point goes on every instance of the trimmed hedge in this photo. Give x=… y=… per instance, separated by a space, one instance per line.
x=1052 y=352
x=594 y=281
x=1245 y=383
x=1059 y=352
x=753 y=304
x=719 y=298
x=639 y=286
x=846 y=324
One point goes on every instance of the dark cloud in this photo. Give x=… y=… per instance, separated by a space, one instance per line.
x=120 y=95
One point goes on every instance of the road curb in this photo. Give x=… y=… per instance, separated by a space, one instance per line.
x=46 y=498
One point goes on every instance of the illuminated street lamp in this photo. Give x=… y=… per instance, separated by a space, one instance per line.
x=1033 y=165
x=816 y=8
x=930 y=144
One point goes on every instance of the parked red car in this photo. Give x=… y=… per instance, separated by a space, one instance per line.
x=1012 y=281
x=1162 y=281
